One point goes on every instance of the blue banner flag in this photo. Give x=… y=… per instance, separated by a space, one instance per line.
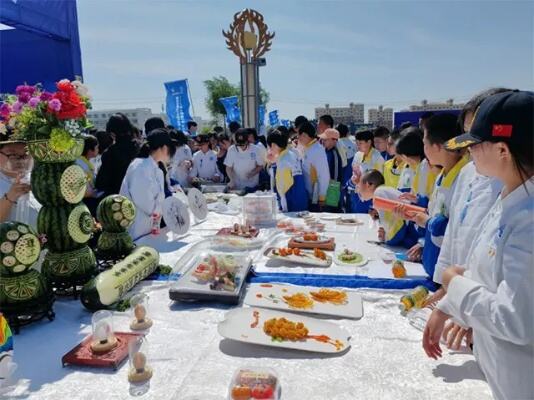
x=231 y=106
x=261 y=115
x=273 y=118
x=286 y=123
x=178 y=104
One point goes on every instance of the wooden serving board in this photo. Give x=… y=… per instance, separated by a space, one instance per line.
x=329 y=246
x=82 y=354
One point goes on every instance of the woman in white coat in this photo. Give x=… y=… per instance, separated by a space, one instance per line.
x=143 y=182
x=495 y=296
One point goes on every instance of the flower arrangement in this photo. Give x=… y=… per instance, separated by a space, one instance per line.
x=34 y=114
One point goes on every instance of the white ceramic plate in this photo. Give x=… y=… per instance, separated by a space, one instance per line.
x=222 y=208
x=349 y=264
x=197 y=203
x=307 y=259
x=349 y=221
x=237 y=326
x=271 y=296
x=328 y=217
x=320 y=240
x=176 y=215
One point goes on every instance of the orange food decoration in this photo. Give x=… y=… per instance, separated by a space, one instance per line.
x=324 y=295
x=312 y=237
x=319 y=254
x=398 y=269
x=299 y=300
x=241 y=393
x=283 y=329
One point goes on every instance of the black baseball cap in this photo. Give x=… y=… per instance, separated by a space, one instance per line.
x=504 y=117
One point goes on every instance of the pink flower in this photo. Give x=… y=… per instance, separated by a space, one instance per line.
x=54 y=105
x=25 y=92
x=45 y=96
x=34 y=101
x=5 y=110
x=17 y=107
x=24 y=97
x=25 y=89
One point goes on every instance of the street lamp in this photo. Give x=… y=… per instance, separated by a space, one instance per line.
x=249 y=45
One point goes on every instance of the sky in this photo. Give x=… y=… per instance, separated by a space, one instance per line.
x=393 y=53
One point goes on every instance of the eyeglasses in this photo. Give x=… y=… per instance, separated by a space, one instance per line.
x=15 y=157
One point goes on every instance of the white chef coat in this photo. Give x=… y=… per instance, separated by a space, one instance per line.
x=243 y=162
x=177 y=171
x=495 y=296
x=143 y=185
x=25 y=201
x=473 y=197
x=204 y=165
x=315 y=170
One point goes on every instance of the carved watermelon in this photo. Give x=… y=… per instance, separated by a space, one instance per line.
x=73 y=266
x=19 y=248
x=66 y=228
x=116 y=213
x=114 y=244
x=58 y=184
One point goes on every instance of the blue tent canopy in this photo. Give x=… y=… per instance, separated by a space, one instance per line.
x=44 y=45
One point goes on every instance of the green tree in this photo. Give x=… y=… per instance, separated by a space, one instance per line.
x=218 y=87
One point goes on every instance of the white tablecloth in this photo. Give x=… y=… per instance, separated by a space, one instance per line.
x=189 y=357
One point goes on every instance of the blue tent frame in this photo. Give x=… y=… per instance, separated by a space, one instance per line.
x=43 y=47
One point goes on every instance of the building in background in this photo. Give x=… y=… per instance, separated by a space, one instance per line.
x=381 y=116
x=426 y=106
x=137 y=116
x=353 y=114
x=414 y=112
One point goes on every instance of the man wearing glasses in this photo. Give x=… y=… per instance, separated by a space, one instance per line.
x=15 y=165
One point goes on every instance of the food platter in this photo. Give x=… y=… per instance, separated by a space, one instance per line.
x=349 y=258
x=305 y=299
x=313 y=258
x=247 y=325
x=349 y=221
x=312 y=238
x=212 y=276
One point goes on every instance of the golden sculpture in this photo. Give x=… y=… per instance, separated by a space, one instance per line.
x=257 y=39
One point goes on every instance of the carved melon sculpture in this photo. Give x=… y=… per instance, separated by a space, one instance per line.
x=116 y=213
x=59 y=185
x=21 y=286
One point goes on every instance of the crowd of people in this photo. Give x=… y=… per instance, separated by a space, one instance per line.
x=472 y=175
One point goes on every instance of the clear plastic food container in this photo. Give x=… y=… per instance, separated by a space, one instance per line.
x=254 y=383
x=210 y=275
x=260 y=209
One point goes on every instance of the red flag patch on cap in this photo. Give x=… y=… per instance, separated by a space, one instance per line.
x=501 y=130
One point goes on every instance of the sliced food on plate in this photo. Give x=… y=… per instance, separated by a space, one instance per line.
x=305 y=299
x=350 y=258
x=315 y=257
